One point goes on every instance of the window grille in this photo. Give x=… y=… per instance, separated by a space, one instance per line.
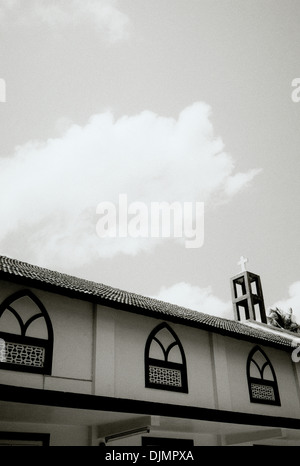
x=18 y=353
x=164 y=376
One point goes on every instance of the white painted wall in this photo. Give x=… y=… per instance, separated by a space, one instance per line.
x=72 y=322
x=120 y=372
x=237 y=354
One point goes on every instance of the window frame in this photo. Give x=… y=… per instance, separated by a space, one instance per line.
x=261 y=381
x=46 y=344
x=165 y=364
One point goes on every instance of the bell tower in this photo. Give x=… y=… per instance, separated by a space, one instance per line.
x=247 y=295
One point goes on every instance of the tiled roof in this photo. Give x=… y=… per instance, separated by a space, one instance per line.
x=15 y=270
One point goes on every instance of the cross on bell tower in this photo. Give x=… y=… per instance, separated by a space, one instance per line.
x=247 y=295
x=242 y=262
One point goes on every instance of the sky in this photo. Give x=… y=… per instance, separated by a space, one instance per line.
x=187 y=101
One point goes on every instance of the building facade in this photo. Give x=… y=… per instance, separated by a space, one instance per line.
x=85 y=364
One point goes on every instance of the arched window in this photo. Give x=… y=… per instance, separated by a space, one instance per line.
x=165 y=364
x=26 y=334
x=261 y=376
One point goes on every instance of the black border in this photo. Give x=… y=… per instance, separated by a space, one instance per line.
x=172 y=442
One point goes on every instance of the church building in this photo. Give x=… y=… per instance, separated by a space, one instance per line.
x=86 y=364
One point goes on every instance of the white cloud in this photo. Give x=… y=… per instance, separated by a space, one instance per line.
x=52 y=188
x=292 y=301
x=196 y=298
x=103 y=14
x=239 y=181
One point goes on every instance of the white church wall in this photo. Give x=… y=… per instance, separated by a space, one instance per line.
x=8 y=288
x=104 y=352
x=222 y=390
x=72 y=322
x=22 y=379
x=237 y=352
x=120 y=364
